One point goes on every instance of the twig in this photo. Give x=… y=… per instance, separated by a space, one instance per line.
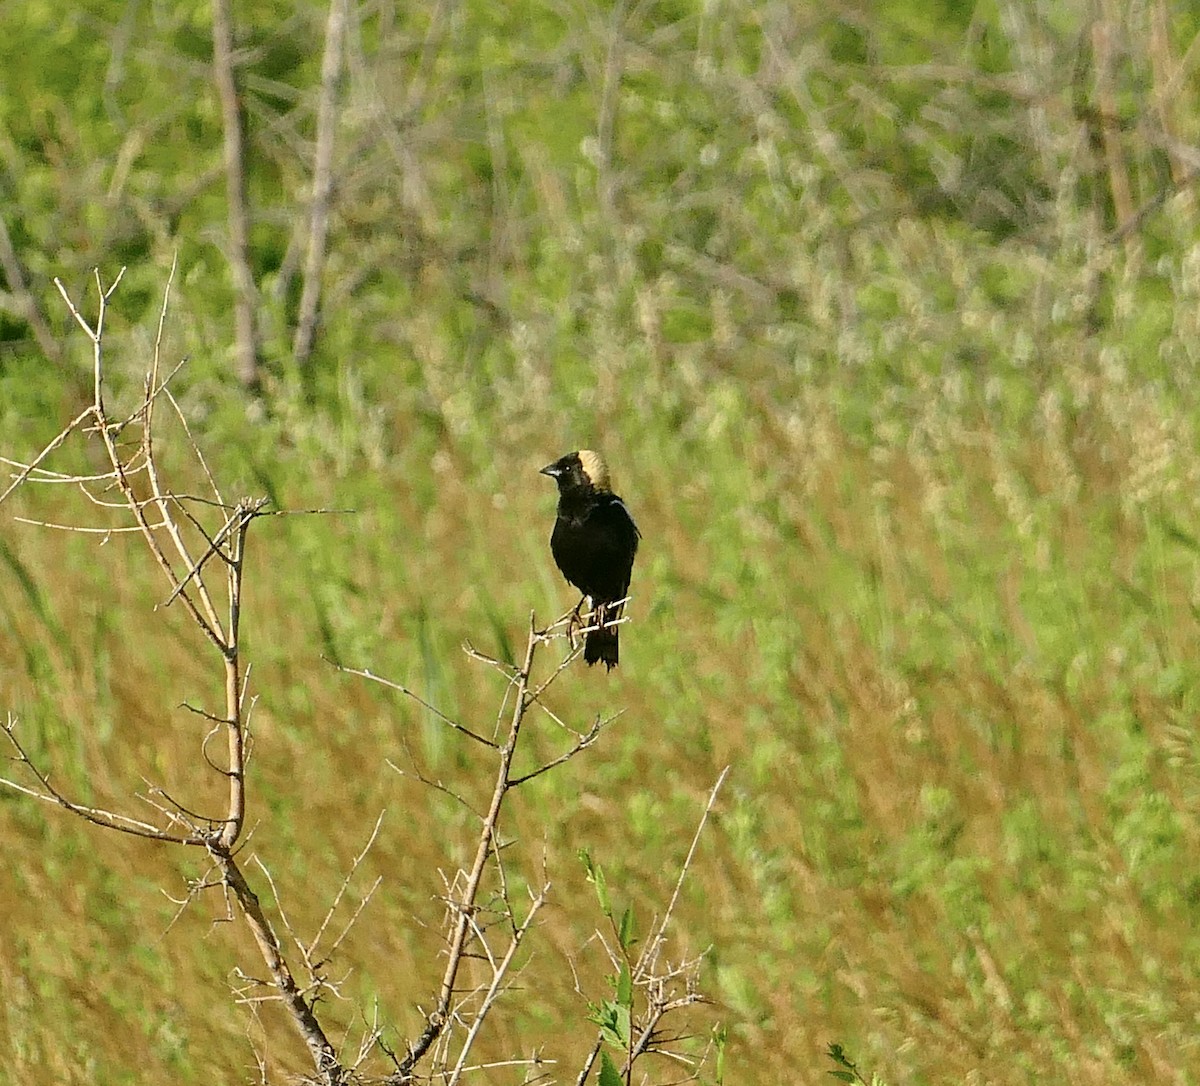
x=96 y=815
x=152 y=386
x=244 y=291
x=366 y=673
x=465 y=903
x=311 y=949
x=180 y=809
x=32 y=466
x=649 y=953
x=45 y=475
x=499 y=972
x=323 y=1053
x=172 y=518
x=583 y=743
x=366 y=900
x=26 y=304
x=208 y=621
x=287 y=924
x=84 y=529
x=437 y=786
x=590 y=1060
x=322 y=190
x=195 y=447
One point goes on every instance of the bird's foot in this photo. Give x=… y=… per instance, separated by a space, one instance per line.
x=576 y=623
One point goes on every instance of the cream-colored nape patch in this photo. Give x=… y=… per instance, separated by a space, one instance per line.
x=594 y=468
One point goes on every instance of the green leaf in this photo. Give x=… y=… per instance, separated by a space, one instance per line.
x=845 y=1076
x=602 y=1013
x=625 y=987
x=609 y=1075
x=595 y=874
x=625 y=934
x=624 y=1027
x=614 y=1023
x=720 y=1033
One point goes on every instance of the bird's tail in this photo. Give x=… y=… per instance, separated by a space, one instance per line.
x=603 y=644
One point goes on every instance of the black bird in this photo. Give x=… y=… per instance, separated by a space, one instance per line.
x=594 y=543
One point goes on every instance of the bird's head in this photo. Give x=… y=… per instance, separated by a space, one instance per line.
x=582 y=470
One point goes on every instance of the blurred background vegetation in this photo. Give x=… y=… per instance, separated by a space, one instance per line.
x=887 y=318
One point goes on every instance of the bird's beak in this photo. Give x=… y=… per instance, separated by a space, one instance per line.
x=553 y=470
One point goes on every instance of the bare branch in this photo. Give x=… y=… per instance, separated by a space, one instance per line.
x=366 y=673
x=32 y=466
x=244 y=290
x=465 y=905
x=323 y=1054
x=26 y=304
x=437 y=786
x=590 y=1060
x=85 y=529
x=499 y=972
x=311 y=949
x=173 y=517
x=322 y=190
x=650 y=951
x=96 y=815
x=584 y=742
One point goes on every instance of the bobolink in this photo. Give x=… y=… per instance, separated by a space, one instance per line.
x=594 y=543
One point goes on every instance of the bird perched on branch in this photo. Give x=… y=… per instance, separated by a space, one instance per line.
x=594 y=543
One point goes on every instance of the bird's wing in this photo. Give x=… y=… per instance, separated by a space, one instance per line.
x=625 y=509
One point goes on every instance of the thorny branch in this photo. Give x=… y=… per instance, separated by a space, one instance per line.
x=165 y=521
x=666 y=987
x=467 y=936
x=199 y=544
x=465 y=907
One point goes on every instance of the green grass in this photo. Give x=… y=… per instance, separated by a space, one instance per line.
x=911 y=436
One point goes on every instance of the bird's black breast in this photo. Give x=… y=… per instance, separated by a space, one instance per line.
x=594 y=544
